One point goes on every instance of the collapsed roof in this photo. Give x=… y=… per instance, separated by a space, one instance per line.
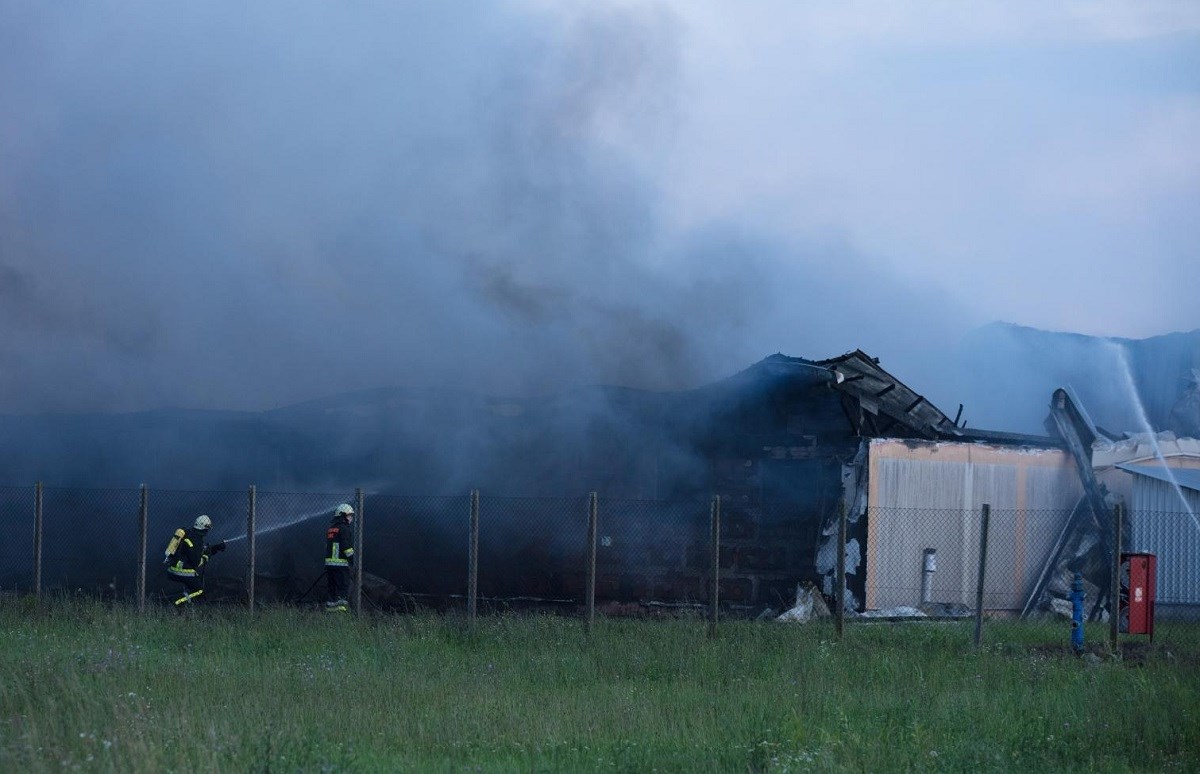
x=877 y=404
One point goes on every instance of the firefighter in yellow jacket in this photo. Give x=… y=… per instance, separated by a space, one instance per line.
x=339 y=557
x=187 y=557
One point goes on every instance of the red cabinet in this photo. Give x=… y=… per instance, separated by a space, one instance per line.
x=1137 y=594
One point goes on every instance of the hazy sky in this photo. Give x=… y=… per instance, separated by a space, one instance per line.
x=228 y=205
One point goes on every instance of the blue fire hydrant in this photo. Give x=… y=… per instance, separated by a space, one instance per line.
x=1077 y=613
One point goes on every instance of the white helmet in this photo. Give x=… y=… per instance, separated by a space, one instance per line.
x=202 y=522
x=344 y=510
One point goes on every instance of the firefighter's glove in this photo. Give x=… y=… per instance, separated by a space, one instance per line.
x=218 y=548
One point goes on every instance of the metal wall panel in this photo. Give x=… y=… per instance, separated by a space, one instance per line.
x=930 y=495
x=1161 y=525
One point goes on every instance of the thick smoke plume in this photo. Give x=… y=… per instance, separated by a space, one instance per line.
x=239 y=208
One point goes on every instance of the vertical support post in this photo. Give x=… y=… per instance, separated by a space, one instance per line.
x=144 y=539
x=251 y=561
x=983 y=547
x=714 y=565
x=840 y=590
x=590 y=616
x=356 y=597
x=1114 y=588
x=37 y=542
x=473 y=559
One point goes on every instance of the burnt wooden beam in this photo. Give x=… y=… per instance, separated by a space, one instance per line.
x=848 y=406
x=920 y=399
x=885 y=390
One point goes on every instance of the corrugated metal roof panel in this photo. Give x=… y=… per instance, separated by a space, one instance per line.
x=1185 y=477
x=860 y=376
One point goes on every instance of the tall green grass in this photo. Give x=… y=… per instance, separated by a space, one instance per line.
x=92 y=688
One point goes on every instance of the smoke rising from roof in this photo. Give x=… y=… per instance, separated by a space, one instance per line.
x=217 y=206
x=1007 y=374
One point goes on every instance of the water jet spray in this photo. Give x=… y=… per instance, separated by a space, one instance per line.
x=291 y=522
x=1135 y=398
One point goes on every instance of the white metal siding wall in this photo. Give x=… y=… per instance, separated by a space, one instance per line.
x=1160 y=525
x=930 y=505
x=931 y=497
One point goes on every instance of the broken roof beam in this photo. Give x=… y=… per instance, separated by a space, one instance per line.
x=1075 y=428
x=887 y=396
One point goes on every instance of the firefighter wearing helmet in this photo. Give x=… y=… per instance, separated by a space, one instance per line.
x=187 y=557
x=339 y=557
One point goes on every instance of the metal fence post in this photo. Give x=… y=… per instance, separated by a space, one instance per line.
x=143 y=530
x=251 y=562
x=37 y=542
x=358 y=557
x=473 y=558
x=1114 y=587
x=590 y=615
x=715 y=565
x=983 y=548
x=840 y=602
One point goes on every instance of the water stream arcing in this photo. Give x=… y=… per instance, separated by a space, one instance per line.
x=1136 y=399
x=295 y=520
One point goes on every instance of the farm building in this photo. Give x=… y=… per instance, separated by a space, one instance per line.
x=788 y=444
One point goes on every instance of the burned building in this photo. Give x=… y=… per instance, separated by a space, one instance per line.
x=772 y=441
x=788 y=445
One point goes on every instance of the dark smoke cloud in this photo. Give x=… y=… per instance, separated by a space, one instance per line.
x=218 y=206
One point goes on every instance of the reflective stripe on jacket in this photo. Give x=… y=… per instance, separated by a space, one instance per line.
x=190 y=556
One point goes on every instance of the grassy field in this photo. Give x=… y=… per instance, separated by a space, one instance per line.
x=91 y=688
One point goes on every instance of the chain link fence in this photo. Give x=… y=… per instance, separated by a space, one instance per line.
x=652 y=551
x=18 y=509
x=98 y=549
x=581 y=555
x=1037 y=569
x=1173 y=538
x=418 y=547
